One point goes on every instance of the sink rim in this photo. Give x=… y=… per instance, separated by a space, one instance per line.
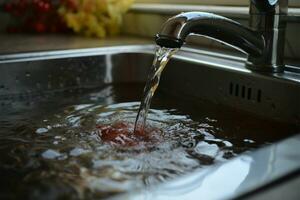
x=134 y=48
x=73 y=53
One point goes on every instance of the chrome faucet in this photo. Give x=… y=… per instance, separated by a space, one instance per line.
x=263 y=41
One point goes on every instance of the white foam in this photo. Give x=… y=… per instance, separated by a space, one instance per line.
x=41 y=130
x=51 y=154
x=207 y=149
x=78 y=151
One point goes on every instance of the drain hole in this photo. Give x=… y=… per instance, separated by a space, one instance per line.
x=258 y=95
x=231 y=89
x=245 y=92
x=249 y=93
x=236 y=90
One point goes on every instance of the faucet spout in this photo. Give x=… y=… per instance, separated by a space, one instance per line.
x=263 y=41
x=175 y=31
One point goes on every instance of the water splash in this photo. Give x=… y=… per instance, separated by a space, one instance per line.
x=162 y=57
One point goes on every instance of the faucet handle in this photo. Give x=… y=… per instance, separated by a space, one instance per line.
x=272 y=7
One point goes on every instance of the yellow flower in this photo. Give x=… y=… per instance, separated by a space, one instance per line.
x=95 y=17
x=73 y=22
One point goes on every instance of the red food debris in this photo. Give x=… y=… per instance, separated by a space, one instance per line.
x=122 y=134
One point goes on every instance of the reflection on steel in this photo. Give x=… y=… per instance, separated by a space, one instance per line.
x=233 y=178
x=263 y=41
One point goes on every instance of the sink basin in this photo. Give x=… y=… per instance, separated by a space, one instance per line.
x=198 y=76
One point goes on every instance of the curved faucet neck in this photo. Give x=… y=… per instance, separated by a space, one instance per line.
x=224 y=30
x=263 y=41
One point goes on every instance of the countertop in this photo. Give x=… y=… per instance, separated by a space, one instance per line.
x=22 y=43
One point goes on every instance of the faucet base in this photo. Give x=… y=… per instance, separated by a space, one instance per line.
x=264 y=68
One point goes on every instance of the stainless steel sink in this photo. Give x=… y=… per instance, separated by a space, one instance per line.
x=224 y=80
x=194 y=74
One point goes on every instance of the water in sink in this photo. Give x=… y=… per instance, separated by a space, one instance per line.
x=53 y=149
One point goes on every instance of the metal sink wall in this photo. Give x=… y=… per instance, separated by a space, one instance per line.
x=225 y=80
x=37 y=73
x=196 y=74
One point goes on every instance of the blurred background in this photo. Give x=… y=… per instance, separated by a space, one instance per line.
x=23 y=21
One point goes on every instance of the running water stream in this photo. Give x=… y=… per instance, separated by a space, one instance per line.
x=162 y=57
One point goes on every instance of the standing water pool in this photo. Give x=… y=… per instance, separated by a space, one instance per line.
x=65 y=147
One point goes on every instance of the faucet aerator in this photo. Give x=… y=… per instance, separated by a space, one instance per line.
x=168 y=42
